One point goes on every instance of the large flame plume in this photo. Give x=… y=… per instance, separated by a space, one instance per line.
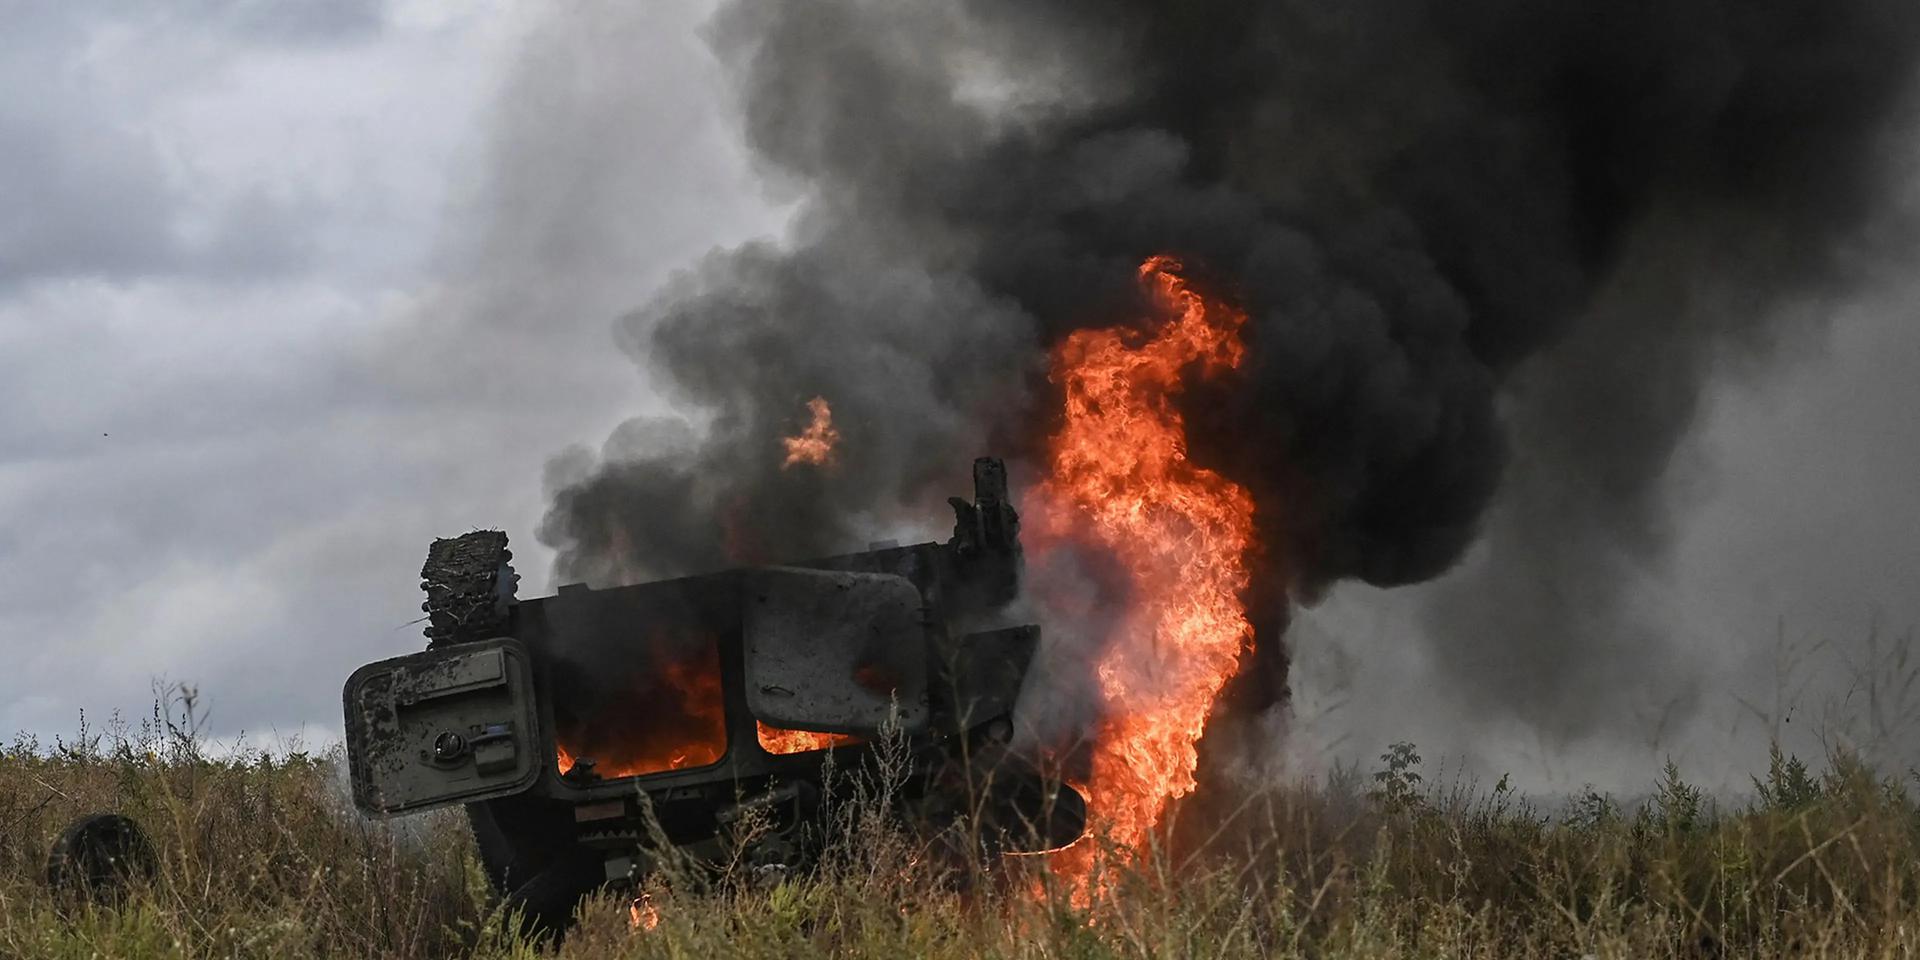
x=1119 y=480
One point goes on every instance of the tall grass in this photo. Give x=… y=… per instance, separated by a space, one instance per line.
x=259 y=856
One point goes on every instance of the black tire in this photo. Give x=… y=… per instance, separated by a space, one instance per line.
x=537 y=867
x=470 y=584
x=519 y=837
x=1014 y=805
x=99 y=855
x=546 y=903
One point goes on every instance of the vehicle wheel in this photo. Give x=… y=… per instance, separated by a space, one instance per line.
x=545 y=903
x=531 y=856
x=98 y=856
x=470 y=585
x=1014 y=806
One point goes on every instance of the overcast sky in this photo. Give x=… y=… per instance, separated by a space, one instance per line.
x=289 y=287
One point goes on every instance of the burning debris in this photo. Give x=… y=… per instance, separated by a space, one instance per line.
x=642 y=914
x=587 y=731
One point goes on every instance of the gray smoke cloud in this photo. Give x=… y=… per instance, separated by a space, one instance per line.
x=1481 y=243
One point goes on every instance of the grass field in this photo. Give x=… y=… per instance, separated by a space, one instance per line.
x=260 y=856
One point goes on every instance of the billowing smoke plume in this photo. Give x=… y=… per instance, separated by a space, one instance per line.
x=1477 y=238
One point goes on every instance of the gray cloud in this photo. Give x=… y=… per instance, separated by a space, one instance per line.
x=292 y=21
x=87 y=186
x=223 y=451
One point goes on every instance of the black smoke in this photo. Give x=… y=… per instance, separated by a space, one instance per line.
x=1479 y=240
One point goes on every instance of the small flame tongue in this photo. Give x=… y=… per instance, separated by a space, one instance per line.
x=642 y=914
x=1119 y=480
x=813 y=445
x=777 y=740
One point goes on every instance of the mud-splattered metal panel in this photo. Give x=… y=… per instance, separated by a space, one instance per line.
x=446 y=726
x=835 y=652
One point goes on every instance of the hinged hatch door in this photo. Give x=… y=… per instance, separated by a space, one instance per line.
x=450 y=725
x=835 y=652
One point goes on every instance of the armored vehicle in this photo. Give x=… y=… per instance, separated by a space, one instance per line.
x=585 y=730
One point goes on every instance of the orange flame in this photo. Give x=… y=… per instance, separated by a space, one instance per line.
x=815 y=444
x=781 y=741
x=642 y=914
x=678 y=721
x=1120 y=480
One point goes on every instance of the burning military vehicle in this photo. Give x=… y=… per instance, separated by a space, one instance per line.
x=585 y=730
